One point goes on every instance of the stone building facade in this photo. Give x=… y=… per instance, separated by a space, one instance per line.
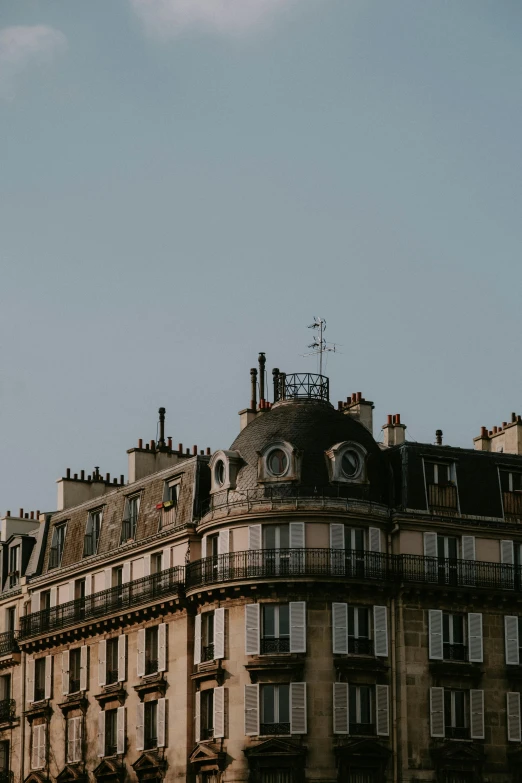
x=306 y=605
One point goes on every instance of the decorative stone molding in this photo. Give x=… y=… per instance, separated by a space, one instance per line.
x=346 y=463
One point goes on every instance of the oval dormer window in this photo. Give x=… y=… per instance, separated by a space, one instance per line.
x=277 y=462
x=219 y=473
x=350 y=464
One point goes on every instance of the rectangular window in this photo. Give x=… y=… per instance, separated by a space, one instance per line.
x=360 y=704
x=170 y=503
x=39 y=679
x=151 y=650
x=14 y=565
x=112 y=661
x=74 y=670
x=130 y=518
x=275 y=628
x=453 y=635
x=45 y=600
x=440 y=485
x=111 y=732
x=5 y=687
x=38 y=754
x=74 y=739
x=57 y=544
x=92 y=533
x=207 y=636
x=207 y=714
x=156 y=563
x=276 y=536
x=275 y=709
x=4 y=756
x=359 y=624
x=510 y=482
x=10 y=619
x=455 y=714
x=151 y=724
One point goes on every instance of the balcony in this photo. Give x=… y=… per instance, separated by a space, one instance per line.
x=274 y=728
x=442 y=497
x=362 y=729
x=512 y=502
x=455 y=652
x=456 y=573
x=151 y=666
x=275 y=646
x=207 y=653
x=7 y=710
x=360 y=646
x=106 y=602
x=8 y=643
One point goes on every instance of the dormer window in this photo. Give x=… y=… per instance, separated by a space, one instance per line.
x=347 y=463
x=224 y=467
x=169 y=506
x=57 y=544
x=441 y=485
x=92 y=532
x=14 y=565
x=130 y=518
x=278 y=462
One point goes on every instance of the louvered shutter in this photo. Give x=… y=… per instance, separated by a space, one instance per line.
x=468 y=547
x=140 y=726
x=204 y=547
x=437 y=712
x=430 y=545
x=430 y=551
x=102 y=662
x=511 y=639
x=38 y=742
x=120 y=725
x=380 y=631
x=29 y=681
x=126 y=575
x=162 y=722
x=436 y=646
x=219 y=712
x=140 y=669
x=71 y=590
x=298 y=626
x=166 y=558
x=374 y=539
x=122 y=657
x=254 y=537
x=53 y=597
x=88 y=582
x=108 y=578
x=337 y=546
x=340 y=708
x=101 y=734
x=35 y=603
x=475 y=644
x=507 y=558
x=298 y=708
x=252 y=627
x=382 y=709
x=48 y=676
x=297 y=535
x=340 y=629
x=197 y=717
x=251 y=710
x=197 y=639
x=146 y=565
x=224 y=542
x=476 y=702
x=65 y=672
x=219 y=634
x=42 y=744
x=513 y=716
x=83 y=667
x=162 y=647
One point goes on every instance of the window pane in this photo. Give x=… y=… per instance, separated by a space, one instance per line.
x=269 y=536
x=358 y=543
x=452 y=548
x=267 y=704
x=443 y=474
x=366 y=710
x=364 y=623
x=284 y=536
x=284 y=703
x=460 y=720
x=268 y=620
x=284 y=620
x=351 y=621
x=446 y=628
x=441 y=549
x=447 y=707
x=352 y=703
x=458 y=629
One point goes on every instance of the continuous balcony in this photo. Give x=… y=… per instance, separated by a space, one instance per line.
x=102 y=604
x=8 y=643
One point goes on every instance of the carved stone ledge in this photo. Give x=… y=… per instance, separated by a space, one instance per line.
x=39 y=709
x=153 y=683
x=456 y=669
x=365 y=664
x=75 y=701
x=276 y=668
x=114 y=692
x=212 y=670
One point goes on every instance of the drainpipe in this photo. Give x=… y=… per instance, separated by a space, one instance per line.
x=22 y=720
x=394 y=672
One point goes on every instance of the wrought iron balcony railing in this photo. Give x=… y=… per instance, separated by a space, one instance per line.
x=274 y=728
x=207 y=732
x=457 y=732
x=360 y=646
x=7 y=710
x=302 y=386
x=111 y=676
x=362 y=729
x=151 y=665
x=106 y=602
x=74 y=685
x=207 y=653
x=275 y=646
x=8 y=642
x=455 y=652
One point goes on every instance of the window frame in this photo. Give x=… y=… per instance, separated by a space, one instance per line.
x=129 y=520
x=150 y=721
x=111 y=732
x=57 y=545
x=93 y=524
x=279 y=726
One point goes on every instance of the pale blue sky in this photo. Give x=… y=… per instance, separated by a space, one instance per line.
x=186 y=182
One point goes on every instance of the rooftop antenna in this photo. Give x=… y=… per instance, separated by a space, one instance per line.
x=319 y=345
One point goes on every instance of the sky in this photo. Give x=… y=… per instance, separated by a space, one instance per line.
x=185 y=183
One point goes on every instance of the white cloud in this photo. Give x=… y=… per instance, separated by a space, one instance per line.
x=25 y=46
x=166 y=18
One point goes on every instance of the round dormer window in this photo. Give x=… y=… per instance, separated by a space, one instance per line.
x=219 y=473
x=350 y=464
x=277 y=462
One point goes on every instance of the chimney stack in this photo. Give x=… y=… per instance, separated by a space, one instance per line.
x=161 y=441
x=394 y=431
x=262 y=362
x=253 y=389
x=360 y=409
x=438 y=437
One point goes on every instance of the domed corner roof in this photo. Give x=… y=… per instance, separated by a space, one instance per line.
x=313 y=428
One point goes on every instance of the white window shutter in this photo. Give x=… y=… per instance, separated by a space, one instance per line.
x=475 y=644
x=251 y=710
x=88 y=583
x=204 y=547
x=29 y=680
x=436 y=641
x=340 y=629
x=341 y=723
x=102 y=662
x=254 y=537
x=511 y=638
x=140 y=669
x=126 y=575
x=382 y=710
x=162 y=722
x=224 y=542
x=219 y=634
x=476 y=708
x=298 y=627
x=48 y=676
x=298 y=708
x=437 y=712
x=252 y=629
x=120 y=726
x=380 y=631
x=35 y=749
x=83 y=667
x=430 y=545
x=337 y=545
x=197 y=639
x=122 y=657
x=53 y=597
x=197 y=717
x=146 y=565
x=162 y=647
x=140 y=726
x=101 y=734
x=71 y=590
x=513 y=717
x=65 y=672
x=374 y=539
x=297 y=535
x=507 y=552
x=336 y=536
x=219 y=712
x=35 y=603
x=166 y=558
x=108 y=578
x=468 y=547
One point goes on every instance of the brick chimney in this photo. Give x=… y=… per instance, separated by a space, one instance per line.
x=360 y=409
x=506 y=437
x=394 y=431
